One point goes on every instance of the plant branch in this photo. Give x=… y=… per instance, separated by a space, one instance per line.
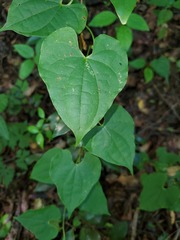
x=90 y=31
x=134 y=224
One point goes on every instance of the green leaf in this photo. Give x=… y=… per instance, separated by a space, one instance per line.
x=74 y=181
x=40 y=18
x=5 y=223
x=160 y=3
x=18 y=135
x=40 y=140
x=165 y=159
x=40 y=123
x=6 y=174
x=164 y=16
x=24 y=50
x=42 y=167
x=70 y=235
x=125 y=37
x=103 y=19
x=26 y=68
x=176 y=4
x=114 y=140
x=119 y=231
x=162 y=67
x=138 y=63
x=148 y=74
x=41 y=113
x=155 y=196
x=82 y=88
x=33 y=129
x=4 y=133
x=124 y=9
x=96 y=202
x=89 y=234
x=3 y=102
x=60 y=129
x=137 y=22
x=43 y=223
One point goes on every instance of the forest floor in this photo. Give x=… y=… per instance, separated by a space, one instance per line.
x=155 y=108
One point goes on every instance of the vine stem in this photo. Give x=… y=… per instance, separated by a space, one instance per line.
x=79 y=156
x=70 y=2
x=63 y=224
x=92 y=35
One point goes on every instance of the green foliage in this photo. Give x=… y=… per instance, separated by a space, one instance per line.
x=103 y=19
x=137 y=22
x=22 y=157
x=89 y=234
x=44 y=17
x=96 y=202
x=24 y=50
x=41 y=170
x=6 y=174
x=161 y=66
x=4 y=133
x=161 y=3
x=38 y=129
x=82 y=89
x=176 y=4
x=26 y=68
x=138 y=63
x=94 y=81
x=117 y=132
x=161 y=188
x=125 y=37
x=119 y=231
x=18 y=135
x=124 y=9
x=155 y=195
x=148 y=74
x=5 y=225
x=43 y=223
x=165 y=159
x=164 y=16
x=3 y=102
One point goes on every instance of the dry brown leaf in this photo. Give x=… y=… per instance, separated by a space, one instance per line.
x=173 y=170
x=142 y=106
x=128 y=180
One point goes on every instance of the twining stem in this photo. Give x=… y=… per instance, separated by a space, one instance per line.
x=92 y=35
x=63 y=224
x=70 y=2
x=78 y=160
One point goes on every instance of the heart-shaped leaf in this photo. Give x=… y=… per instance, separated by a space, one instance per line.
x=155 y=196
x=74 y=181
x=96 y=202
x=40 y=18
x=114 y=140
x=43 y=223
x=82 y=88
x=124 y=9
x=41 y=169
